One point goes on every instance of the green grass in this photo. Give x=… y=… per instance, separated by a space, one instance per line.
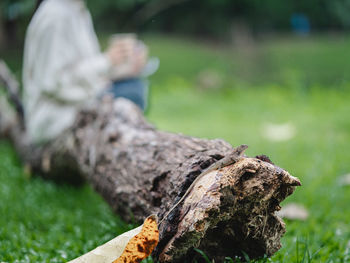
x=305 y=82
x=44 y=222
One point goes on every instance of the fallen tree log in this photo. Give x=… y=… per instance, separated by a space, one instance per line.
x=140 y=170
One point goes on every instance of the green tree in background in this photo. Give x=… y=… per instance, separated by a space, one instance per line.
x=195 y=17
x=215 y=17
x=341 y=10
x=14 y=16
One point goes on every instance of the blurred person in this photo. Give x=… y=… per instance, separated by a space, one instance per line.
x=64 y=68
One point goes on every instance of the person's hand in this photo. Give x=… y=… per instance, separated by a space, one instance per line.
x=128 y=56
x=122 y=51
x=139 y=59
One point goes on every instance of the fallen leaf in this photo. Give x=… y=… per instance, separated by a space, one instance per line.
x=209 y=80
x=293 y=211
x=279 y=132
x=345 y=180
x=141 y=245
x=114 y=248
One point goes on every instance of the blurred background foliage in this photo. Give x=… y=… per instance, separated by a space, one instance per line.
x=212 y=18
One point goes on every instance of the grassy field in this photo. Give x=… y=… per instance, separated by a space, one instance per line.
x=302 y=82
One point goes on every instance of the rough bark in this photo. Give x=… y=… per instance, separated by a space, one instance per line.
x=140 y=170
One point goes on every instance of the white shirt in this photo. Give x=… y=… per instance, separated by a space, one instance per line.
x=63 y=67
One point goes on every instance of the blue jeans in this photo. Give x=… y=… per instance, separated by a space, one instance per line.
x=134 y=89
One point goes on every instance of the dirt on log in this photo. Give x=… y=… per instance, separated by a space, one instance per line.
x=140 y=170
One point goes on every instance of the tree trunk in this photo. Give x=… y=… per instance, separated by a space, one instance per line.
x=140 y=170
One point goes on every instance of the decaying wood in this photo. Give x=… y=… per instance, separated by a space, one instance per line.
x=140 y=170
